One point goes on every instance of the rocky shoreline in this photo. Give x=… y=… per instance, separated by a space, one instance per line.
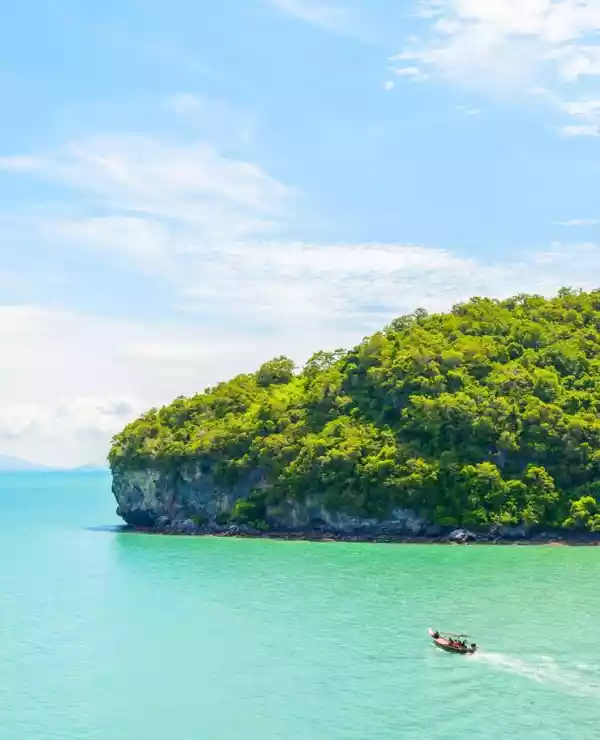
x=188 y=502
x=460 y=536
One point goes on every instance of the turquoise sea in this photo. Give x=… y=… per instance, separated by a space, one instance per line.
x=113 y=636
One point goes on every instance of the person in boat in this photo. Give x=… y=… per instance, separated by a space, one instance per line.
x=436 y=635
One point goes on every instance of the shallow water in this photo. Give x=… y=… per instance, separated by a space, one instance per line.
x=106 y=635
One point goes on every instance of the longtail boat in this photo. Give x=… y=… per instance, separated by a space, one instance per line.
x=452 y=642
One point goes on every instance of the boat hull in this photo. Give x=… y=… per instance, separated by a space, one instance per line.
x=448 y=647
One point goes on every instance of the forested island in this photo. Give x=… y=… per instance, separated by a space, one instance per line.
x=484 y=418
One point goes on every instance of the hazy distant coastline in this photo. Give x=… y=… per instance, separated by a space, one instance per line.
x=10 y=464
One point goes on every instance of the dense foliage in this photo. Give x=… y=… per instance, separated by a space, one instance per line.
x=487 y=414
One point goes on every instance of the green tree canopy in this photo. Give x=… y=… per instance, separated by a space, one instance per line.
x=486 y=414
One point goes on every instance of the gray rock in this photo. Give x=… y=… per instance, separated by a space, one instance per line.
x=415 y=527
x=146 y=494
x=184 y=526
x=462 y=536
x=161 y=524
x=433 y=530
x=520 y=532
x=247 y=529
x=169 y=500
x=189 y=526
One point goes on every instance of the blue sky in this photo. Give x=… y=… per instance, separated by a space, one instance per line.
x=188 y=189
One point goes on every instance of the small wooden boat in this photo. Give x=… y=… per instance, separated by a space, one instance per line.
x=452 y=643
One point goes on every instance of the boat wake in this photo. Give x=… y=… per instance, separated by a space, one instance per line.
x=583 y=680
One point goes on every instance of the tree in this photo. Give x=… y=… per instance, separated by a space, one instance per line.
x=540 y=495
x=487 y=414
x=320 y=362
x=276 y=372
x=584 y=514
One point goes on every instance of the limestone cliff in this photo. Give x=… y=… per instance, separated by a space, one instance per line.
x=188 y=499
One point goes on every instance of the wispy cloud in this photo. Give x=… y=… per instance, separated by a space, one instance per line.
x=19 y=164
x=75 y=431
x=147 y=175
x=184 y=104
x=586 y=112
x=334 y=17
x=214 y=120
x=509 y=45
x=467 y=110
x=577 y=222
x=71 y=380
x=213 y=231
x=55 y=415
x=413 y=73
x=204 y=225
x=580 y=130
x=146 y=187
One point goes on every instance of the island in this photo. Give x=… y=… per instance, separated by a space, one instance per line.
x=477 y=424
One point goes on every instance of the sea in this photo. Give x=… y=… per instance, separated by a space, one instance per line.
x=111 y=635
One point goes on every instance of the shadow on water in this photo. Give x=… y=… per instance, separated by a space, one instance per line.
x=118 y=528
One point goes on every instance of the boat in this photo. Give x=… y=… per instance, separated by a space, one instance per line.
x=452 y=642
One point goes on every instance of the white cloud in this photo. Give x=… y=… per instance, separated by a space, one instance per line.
x=586 y=110
x=413 y=73
x=581 y=130
x=158 y=200
x=389 y=85
x=320 y=287
x=337 y=18
x=61 y=393
x=69 y=381
x=587 y=114
x=77 y=431
x=184 y=104
x=468 y=111
x=271 y=299
x=508 y=45
x=577 y=61
x=407 y=71
x=18 y=164
x=201 y=223
x=231 y=126
x=137 y=174
x=577 y=222
x=49 y=354
x=143 y=240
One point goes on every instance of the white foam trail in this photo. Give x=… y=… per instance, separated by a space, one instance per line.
x=587 y=668
x=544 y=671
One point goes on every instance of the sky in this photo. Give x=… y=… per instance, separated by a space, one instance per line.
x=189 y=189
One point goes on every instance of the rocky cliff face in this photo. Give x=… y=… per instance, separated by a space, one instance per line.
x=189 y=500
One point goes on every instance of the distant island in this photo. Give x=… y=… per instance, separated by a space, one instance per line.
x=10 y=464
x=90 y=468
x=477 y=423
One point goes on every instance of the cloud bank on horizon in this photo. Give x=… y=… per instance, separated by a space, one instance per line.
x=180 y=201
